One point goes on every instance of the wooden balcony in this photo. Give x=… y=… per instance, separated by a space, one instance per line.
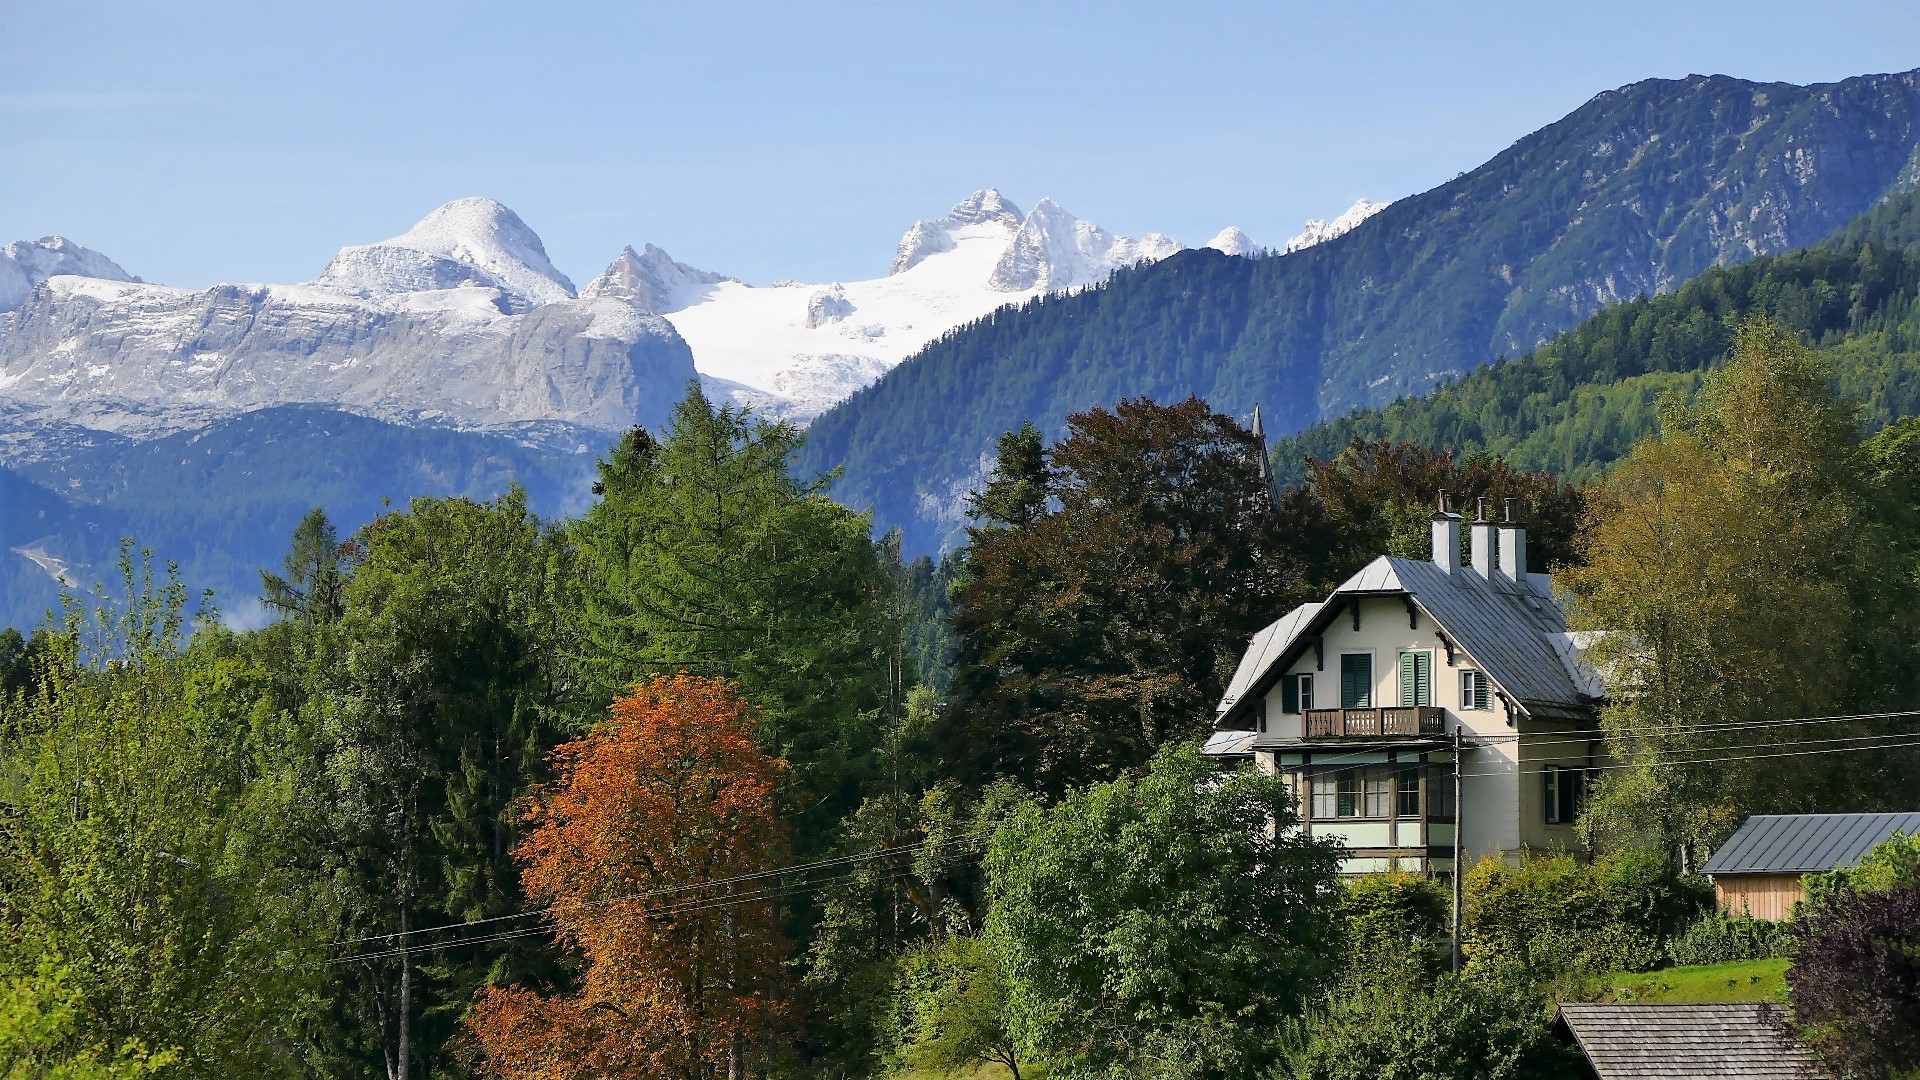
x=1375 y=723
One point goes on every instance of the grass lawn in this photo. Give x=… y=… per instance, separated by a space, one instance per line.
x=1747 y=980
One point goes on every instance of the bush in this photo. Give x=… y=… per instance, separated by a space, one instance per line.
x=1392 y=919
x=1724 y=939
x=1490 y=1025
x=1555 y=913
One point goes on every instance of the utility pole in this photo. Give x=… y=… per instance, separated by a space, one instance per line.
x=1459 y=820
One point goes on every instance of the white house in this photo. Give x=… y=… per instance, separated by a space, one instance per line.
x=1358 y=702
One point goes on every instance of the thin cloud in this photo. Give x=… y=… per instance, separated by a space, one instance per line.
x=97 y=101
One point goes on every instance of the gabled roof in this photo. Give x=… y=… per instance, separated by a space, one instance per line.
x=1685 y=1042
x=1805 y=843
x=1515 y=631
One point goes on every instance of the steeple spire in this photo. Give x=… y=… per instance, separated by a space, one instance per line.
x=1266 y=466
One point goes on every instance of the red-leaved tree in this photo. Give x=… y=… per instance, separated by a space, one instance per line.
x=644 y=850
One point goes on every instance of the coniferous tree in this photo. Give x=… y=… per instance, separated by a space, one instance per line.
x=705 y=556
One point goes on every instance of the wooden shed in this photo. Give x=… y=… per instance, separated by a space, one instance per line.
x=1720 y=1041
x=1758 y=870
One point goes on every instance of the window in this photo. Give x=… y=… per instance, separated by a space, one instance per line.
x=1260 y=715
x=1416 y=679
x=1356 y=680
x=1296 y=693
x=1348 y=792
x=1564 y=793
x=1473 y=691
x=1409 y=785
x=1377 y=786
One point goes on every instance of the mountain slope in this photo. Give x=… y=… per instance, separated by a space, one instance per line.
x=1579 y=402
x=222 y=500
x=1635 y=192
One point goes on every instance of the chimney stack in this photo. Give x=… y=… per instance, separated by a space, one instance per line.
x=1513 y=542
x=1481 y=539
x=1446 y=534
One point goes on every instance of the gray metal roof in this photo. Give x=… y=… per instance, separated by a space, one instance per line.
x=1686 y=1042
x=1805 y=843
x=1515 y=631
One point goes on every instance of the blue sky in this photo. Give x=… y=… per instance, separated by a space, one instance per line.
x=202 y=142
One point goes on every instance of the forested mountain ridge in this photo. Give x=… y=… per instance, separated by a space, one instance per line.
x=1576 y=404
x=1636 y=191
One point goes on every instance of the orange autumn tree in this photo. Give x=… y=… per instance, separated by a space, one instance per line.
x=638 y=849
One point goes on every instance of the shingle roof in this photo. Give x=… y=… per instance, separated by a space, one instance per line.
x=1514 y=630
x=1805 y=843
x=1685 y=1042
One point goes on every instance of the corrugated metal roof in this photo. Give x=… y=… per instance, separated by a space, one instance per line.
x=1805 y=843
x=1515 y=631
x=1686 y=1042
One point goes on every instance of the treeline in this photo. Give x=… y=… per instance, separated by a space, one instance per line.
x=667 y=789
x=1577 y=404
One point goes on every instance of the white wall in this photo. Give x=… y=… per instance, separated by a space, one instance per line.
x=1492 y=805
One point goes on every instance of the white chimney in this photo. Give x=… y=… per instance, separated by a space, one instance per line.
x=1513 y=543
x=1446 y=535
x=1481 y=539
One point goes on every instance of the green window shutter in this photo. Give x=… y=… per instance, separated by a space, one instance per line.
x=1409 y=679
x=1356 y=681
x=1423 y=677
x=1289 y=694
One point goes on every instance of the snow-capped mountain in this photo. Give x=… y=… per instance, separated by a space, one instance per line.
x=461 y=320
x=1232 y=241
x=26 y=263
x=1316 y=231
x=794 y=350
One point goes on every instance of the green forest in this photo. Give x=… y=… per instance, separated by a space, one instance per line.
x=1577 y=404
x=706 y=782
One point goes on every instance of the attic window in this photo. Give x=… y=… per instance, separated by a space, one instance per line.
x=1473 y=691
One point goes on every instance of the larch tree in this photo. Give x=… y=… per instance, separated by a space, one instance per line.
x=705 y=556
x=652 y=851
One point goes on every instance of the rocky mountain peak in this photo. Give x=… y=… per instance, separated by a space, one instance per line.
x=1317 y=231
x=1054 y=250
x=1233 y=241
x=26 y=263
x=649 y=279
x=982 y=207
x=472 y=242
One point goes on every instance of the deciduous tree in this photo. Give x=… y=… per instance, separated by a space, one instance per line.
x=1108 y=591
x=654 y=851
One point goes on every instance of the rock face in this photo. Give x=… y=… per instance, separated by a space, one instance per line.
x=1053 y=251
x=651 y=281
x=461 y=321
x=26 y=263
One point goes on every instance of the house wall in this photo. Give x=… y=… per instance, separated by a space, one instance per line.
x=1491 y=808
x=1764 y=896
x=1543 y=744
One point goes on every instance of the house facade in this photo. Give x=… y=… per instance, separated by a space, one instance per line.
x=1413 y=681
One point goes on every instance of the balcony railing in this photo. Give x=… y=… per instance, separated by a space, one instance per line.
x=1375 y=723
